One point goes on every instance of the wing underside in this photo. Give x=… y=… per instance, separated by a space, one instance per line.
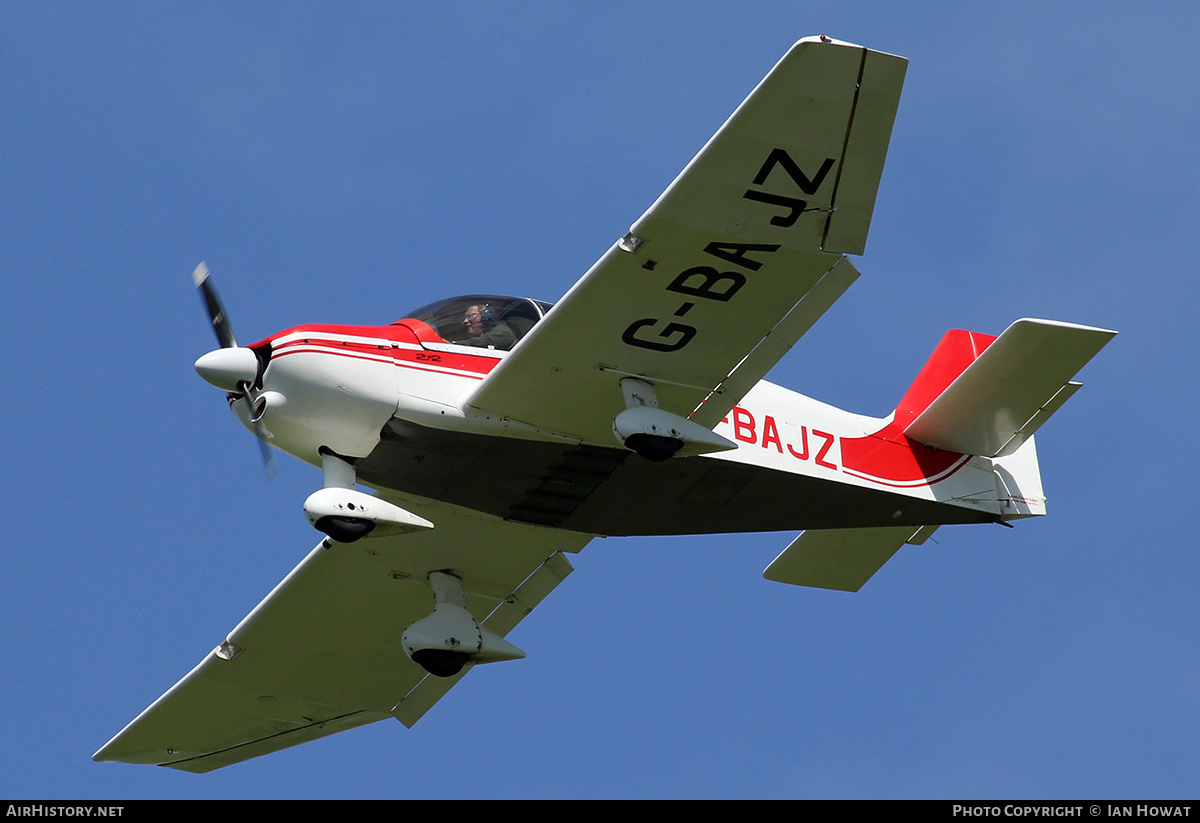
x=744 y=246
x=322 y=653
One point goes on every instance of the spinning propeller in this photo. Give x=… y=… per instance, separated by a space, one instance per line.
x=231 y=367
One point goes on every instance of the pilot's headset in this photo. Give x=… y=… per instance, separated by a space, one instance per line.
x=486 y=314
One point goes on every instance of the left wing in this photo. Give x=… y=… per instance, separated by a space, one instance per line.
x=322 y=653
x=736 y=259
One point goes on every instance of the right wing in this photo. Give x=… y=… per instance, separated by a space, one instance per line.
x=732 y=263
x=322 y=653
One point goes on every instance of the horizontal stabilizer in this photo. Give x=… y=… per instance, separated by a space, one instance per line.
x=1010 y=389
x=841 y=559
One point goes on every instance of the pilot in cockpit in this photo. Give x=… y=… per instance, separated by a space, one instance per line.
x=484 y=331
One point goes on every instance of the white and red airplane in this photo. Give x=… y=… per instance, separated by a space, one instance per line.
x=501 y=434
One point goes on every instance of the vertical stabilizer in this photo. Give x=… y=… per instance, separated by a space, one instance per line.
x=957 y=350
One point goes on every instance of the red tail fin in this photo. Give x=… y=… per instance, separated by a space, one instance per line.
x=957 y=350
x=888 y=456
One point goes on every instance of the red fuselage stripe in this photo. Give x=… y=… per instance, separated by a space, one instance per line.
x=464 y=365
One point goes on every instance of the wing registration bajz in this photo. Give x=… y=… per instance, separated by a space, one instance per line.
x=756 y=220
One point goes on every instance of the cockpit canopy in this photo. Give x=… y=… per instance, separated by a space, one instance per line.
x=481 y=320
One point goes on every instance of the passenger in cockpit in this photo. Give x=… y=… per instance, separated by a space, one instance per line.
x=484 y=331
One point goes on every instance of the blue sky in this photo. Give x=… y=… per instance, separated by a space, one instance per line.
x=343 y=163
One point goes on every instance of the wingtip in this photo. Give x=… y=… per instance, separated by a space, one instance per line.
x=200 y=274
x=826 y=40
x=1062 y=324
